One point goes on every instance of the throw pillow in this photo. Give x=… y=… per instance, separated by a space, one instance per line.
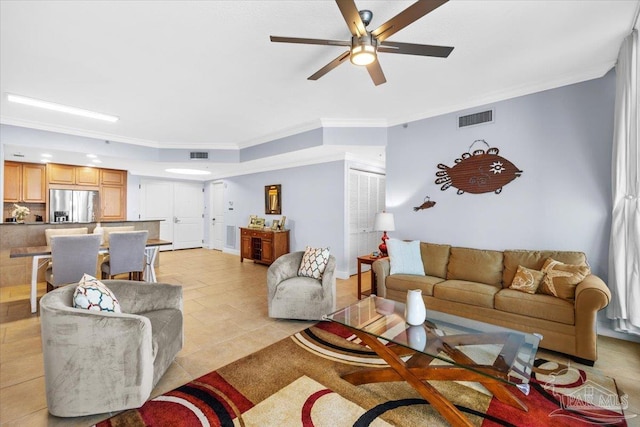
x=314 y=261
x=561 y=279
x=405 y=257
x=526 y=280
x=92 y=294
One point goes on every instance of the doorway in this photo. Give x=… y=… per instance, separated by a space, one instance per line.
x=179 y=206
x=216 y=216
x=366 y=198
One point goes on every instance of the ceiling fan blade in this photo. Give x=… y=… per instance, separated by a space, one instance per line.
x=330 y=66
x=352 y=17
x=375 y=71
x=415 y=49
x=277 y=39
x=406 y=17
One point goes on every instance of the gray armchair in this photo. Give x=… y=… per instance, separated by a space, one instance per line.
x=97 y=362
x=294 y=297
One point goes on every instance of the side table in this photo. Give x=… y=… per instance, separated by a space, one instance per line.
x=368 y=260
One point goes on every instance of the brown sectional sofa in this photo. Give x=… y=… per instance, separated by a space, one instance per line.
x=474 y=283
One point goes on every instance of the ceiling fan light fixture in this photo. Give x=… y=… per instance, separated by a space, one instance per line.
x=363 y=50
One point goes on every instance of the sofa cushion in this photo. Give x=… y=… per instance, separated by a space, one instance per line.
x=406 y=282
x=472 y=293
x=535 y=305
x=561 y=279
x=535 y=260
x=475 y=265
x=526 y=280
x=404 y=257
x=435 y=259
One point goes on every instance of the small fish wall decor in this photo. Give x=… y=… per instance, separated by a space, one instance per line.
x=478 y=172
x=425 y=205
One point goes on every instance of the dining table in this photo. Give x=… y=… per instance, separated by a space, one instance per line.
x=41 y=255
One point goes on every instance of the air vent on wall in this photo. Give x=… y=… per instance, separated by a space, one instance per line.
x=475 y=119
x=199 y=155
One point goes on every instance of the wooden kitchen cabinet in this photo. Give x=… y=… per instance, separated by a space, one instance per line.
x=113 y=177
x=24 y=182
x=86 y=175
x=263 y=246
x=113 y=203
x=61 y=174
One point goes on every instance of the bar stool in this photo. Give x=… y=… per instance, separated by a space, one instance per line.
x=72 y=256
x=126 y=254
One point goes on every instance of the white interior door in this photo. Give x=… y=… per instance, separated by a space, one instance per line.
x=156 y=202
x=188 y=215
x=216 y=216
x=366 y=198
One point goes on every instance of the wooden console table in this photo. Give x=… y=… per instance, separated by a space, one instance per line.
x=263 y=246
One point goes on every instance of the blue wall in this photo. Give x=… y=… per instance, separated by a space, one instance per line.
x=313 y=200
x=560 y=138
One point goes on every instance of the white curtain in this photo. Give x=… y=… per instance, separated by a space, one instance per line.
x=624 y=250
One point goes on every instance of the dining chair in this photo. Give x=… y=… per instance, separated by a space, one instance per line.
x=72 y=256
x=106 y=231
x=126 y=254
x=50 y=232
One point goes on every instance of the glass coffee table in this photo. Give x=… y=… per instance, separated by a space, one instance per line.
x=445 y=347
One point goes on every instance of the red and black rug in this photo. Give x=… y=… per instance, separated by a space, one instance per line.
x=296 y=382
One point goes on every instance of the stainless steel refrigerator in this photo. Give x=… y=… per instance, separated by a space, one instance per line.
x=73 y=206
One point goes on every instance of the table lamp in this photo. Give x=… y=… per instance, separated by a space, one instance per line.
x=384 y=222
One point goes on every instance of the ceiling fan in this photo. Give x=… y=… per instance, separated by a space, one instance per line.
x=365 y=45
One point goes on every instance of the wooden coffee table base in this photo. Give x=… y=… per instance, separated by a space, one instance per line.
x=417 y=369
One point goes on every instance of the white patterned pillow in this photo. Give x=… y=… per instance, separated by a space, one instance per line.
x=92 y=294
x=314 y=261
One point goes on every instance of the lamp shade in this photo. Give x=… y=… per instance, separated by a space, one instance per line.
x=384 y=222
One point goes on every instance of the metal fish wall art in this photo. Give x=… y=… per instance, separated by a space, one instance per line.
x=478 y=172
x=425 y=205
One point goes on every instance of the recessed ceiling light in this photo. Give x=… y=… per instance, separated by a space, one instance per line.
x=59 y=107
x=45 y=160
x=188 y=171
x=91 y=156
x=46 y=155
x=96 y=161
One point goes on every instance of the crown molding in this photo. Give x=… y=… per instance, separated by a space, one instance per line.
x=354 y=123
x=113 y=137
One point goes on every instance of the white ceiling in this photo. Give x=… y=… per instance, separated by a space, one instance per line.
x=204 y=75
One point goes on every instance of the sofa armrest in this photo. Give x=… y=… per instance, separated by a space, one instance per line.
x=73 y=340
x=382 y=269
x=592 y=295
x=145 y=297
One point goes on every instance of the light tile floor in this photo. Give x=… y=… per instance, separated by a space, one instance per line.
x=225 y=319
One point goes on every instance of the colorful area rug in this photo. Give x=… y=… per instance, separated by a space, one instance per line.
x=296 y=382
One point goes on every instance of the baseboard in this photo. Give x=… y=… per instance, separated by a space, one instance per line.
x=604 y=328
x=342 y=275
x=231 y=251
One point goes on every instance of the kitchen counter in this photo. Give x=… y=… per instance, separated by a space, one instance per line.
x=17 y=271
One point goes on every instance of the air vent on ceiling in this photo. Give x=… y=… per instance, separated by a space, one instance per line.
x=199 y=155
x=475 y=119
x=18 y=155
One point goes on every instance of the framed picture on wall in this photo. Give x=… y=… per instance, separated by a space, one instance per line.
x=272 y=200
